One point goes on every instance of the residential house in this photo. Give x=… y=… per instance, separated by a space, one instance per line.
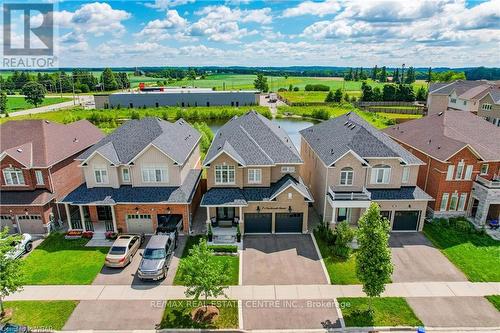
x=348 y=164
x=253 y=179
x=460 y=95
x=38 y=168
x=489 y=107
x=147 y=172
x=462 y=155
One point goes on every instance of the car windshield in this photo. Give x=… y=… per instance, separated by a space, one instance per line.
x=154 y=254
x=118 y=250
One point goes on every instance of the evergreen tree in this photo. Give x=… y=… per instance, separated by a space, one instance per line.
x=366 y=92
x=108 y=80
x=375 y=73
x=395 y=76
x=337 y=97
x=410 y=75
x=429 y=75
x=329 y=97
x=260 y=83
x=3 y=102
x=383 y=75
x=421 y=94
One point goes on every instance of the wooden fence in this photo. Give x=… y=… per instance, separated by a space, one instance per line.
x=392 y=107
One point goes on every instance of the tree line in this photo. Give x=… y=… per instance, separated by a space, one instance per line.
x=382 y=74
x=392 y=93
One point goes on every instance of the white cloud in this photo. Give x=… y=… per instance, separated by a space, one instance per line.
x=165 y=4
x=165 y=28
x=320 y=9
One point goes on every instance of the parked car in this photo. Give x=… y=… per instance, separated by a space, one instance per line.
x=21 y=247
x=13 y=328
x=122 y=251
x=156 y=257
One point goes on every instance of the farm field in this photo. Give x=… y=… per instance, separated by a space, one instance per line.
x=18 y=103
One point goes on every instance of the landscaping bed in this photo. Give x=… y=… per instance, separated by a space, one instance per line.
x=231 y=261
x=41 y=314
x=474 y=253
x=63 y=261
x=386 y=311
x=178 y=314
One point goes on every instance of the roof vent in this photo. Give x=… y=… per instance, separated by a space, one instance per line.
x=440 y=114
x=19 y=150
x=353 y=126
x=47 y=122
x=430 y=140
x=439 y=147
x=219 y=148
x=332 y=151
x=75 y=140
x=346 y=123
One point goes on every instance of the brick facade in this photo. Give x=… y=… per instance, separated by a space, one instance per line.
x=121 y=212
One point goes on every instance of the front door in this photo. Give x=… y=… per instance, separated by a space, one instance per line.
x=225 y=214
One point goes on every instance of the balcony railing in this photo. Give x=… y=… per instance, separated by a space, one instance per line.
x=363 y=195
x=109 y=225
x=494 y=183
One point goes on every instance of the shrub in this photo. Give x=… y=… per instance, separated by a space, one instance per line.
x=316 y=87
x=320 y=114
x=135 y=115
x=344 y=235
x=224 y=248
x=324 y=232
x=295 y=88
x=464 y=226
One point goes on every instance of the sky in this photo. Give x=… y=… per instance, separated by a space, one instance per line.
x=420 y=33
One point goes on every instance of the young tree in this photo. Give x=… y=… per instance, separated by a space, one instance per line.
x=3 y=102
x=290 y=87
x=10 y=269
x=429 y=75
x=203 y=276
x=260 y=83
x=337 y=96
x=373 y=259
x=34 y=93
x=330 y=98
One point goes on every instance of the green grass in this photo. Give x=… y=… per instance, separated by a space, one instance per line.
x=495 y=300
x=341 y=271
x=61 y=261
x=41 y=314
x=18 y=103
x=387 y=311
x=232 y=263
x=399 y=115
x=475 y=255
x=304 y=96
x=177 y=315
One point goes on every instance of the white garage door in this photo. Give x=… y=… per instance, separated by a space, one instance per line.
x=6 y=222
x=31 y=224
x=139 y=224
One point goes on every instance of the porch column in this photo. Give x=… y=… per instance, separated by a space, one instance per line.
x=208 y=215
x=241 y=221
x=114 y=218
x=82 y=217
x=334 y=213
x=68 y=216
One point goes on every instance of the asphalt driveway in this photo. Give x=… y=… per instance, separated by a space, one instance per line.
x=289 y=314
x=115 y=315
x=282 y=260
x=455 y=311
x=127 y=275
x=416 y=259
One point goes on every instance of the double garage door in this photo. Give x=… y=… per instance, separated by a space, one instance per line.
x=139 y=224
x=263 y=223
x=406 y=220
x=31 y=224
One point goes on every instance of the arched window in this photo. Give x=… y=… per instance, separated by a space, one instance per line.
x=346 y=176
x=381 y=174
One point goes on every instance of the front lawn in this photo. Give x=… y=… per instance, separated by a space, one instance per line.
x=387 y=311
x=178 y=315
x=61 y=261
x=474 y=254
x=41 y=314
x=495 y=300
x=19 y=103
x=232 y=263
x=341 y=271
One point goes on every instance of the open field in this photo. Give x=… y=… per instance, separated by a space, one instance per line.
x=18 y=103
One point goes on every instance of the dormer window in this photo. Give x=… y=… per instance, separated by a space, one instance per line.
x=39 y=177
x=13 y=176
x=381 y=174
x=101 y=175
x=346 y=176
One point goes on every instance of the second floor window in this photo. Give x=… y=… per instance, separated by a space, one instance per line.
x=126 y=175
x=486 y=107
x=287 y=169
x=406 y=175
x=381 y=174
x=224 y=174
x=484 y=169
x=101 y=175
x=468 y=172
x=449 y=173
x=453 y=100
x=39 y=177
x=254 y=176
x=346 y=176
x=154 y=175
x=460 y=170
x=13 y=176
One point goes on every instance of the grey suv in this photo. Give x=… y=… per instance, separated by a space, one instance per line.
x=156 y=257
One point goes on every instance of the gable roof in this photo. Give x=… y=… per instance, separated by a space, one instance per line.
x=459 y=86
x=41 y=143
x=334 y=138
x=444 y=134
x=176 y=140
x=495 y=95
x=252 y=139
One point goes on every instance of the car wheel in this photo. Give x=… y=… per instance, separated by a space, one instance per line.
x=28 y=247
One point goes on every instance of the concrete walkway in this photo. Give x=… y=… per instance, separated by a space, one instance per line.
x=270 y=292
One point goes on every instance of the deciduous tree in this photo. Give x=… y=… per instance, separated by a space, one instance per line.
x=34 y=93
x=260 y=83
x=11 y=278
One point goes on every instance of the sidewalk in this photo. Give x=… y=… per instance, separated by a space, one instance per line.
x=271 y=292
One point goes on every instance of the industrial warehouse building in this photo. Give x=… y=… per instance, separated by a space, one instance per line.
x=176 y=97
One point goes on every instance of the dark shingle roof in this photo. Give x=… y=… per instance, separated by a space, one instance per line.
x=335 y=137
x=253 y=139
x=37 y=197
x=108 y=195
x=460 y=86
x=403 y=193
x=176 y=140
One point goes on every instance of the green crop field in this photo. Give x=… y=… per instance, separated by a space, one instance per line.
x=18 y=103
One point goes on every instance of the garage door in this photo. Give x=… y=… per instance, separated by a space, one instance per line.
x=289 y=222
x=258 y=223
x=6 y=222
x=139 y=224
x=31 y=224
x=406 y=220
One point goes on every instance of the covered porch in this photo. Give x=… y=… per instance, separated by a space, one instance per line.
x=346 y=206
x=96 y=218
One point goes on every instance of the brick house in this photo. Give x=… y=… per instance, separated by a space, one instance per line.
x=462 y=155
x=38 y=168
x=253 y=180
x=348 y=164
x=147 y=172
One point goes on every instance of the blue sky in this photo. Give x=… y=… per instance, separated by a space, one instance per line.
x=279 y=33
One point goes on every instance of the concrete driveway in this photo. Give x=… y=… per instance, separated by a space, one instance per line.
x=127 y=275
x=115 y=315
x=289 y=314
x=455 y=311
x=416 y=259
x=281 y=259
